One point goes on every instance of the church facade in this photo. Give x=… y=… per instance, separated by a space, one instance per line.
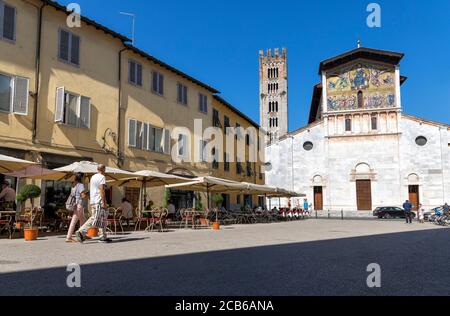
x=359 y=150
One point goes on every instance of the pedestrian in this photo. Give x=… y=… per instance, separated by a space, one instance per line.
x=98 y=206
x=446 y=208
x=77 y=195
x=305 y=205
x=8 y=194
x=407 y=206
x=421 y=214
x=171 y=210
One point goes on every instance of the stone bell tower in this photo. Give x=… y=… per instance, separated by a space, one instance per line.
x=273 y=89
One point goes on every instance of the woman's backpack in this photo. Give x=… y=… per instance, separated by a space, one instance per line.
x=71 y=203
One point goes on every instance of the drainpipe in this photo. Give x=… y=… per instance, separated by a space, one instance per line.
x=37 y=73
x=119 y=116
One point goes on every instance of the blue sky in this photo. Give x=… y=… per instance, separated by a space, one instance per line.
x=217 y=41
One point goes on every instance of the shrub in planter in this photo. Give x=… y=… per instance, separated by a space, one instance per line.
x=29 y=191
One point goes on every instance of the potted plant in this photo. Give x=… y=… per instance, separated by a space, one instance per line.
x=30 y=191
x=217 y=200
x=199 y=208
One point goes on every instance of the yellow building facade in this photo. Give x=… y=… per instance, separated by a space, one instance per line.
x=84 y=93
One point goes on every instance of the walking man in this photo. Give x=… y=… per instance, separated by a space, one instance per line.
x=98 y=205
x=407 y=206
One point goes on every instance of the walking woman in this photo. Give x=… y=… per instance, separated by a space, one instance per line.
x=78 y=195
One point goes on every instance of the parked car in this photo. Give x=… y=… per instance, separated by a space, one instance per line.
x=390 y=212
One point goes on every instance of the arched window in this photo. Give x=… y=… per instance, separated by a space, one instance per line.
x=360 y=100
x=276 y=106
x=276 y=120
x=276 y=73
x=374 y=122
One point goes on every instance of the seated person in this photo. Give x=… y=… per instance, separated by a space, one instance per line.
x=127 y=210
x=8 y=194
x=171 y=209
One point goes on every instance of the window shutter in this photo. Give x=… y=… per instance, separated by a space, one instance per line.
x=200 y=150
x=59 y=110
x=85 y=112
x=131 y=71
x=151 y=138
x=154 y=82
x=161 y=84
x=139 y=134
x=9 y=22
x=20 y=104
x=131 y=133
x=179 y=93
x=2 y=8
x=184 y=94
x=64 y=45
x=167 y=141
x=145 y=139
x=139 y=74
x=75 y=50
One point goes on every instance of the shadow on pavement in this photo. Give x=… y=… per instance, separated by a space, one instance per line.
x=412 y=263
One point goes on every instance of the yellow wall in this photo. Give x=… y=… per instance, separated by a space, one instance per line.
x=97 y=78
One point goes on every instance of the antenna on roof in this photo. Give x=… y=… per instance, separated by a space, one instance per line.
x=134 y=17
x=359 y=41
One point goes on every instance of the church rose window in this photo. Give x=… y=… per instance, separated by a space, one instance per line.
x=308 y=146
x=421 y=141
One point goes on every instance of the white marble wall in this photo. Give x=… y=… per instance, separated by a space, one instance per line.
x=392 y=158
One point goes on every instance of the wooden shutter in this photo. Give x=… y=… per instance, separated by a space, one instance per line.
x=20 y=103
x=9 y=22
x=160 y=84
x=59 y=109
x=167 y=141
x=180 y=93
x=159 y=141
x=154 y=82
x=75 y=50
x=85 y=112
x=151 y=138
x=145 y=138
x=2 y=8
x=131 y=133
x=5 y=93
x=138 y=74
x=131 y=71
x=64 y=38
x=139 y=134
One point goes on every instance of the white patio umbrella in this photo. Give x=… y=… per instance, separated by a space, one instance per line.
x=148 y=179
x=209 y=185
x=88 y=168
x=10 y=164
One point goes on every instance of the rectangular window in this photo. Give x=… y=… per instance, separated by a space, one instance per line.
x=216 y=119
x=202 y=103
x=147 y=137
x=134 y=73
x=238 y=167
x=226 y=123
x=14 y=94
x=72 y=109
x=201 y=150
x=374 y=123
x=348 y=124
x=238 y=131
x=238 y=199
x=182 y=94
x=7 y=22
x=226 y=162
x=249 y=169
x=215 y=163
x=157 y=83
x=182 y=149
x=69 y=47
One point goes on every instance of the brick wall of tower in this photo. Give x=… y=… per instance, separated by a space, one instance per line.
x=273 y=87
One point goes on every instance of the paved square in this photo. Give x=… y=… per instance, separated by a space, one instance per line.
x=313 y=257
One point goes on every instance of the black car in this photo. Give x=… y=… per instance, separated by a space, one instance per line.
x=391 y=212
